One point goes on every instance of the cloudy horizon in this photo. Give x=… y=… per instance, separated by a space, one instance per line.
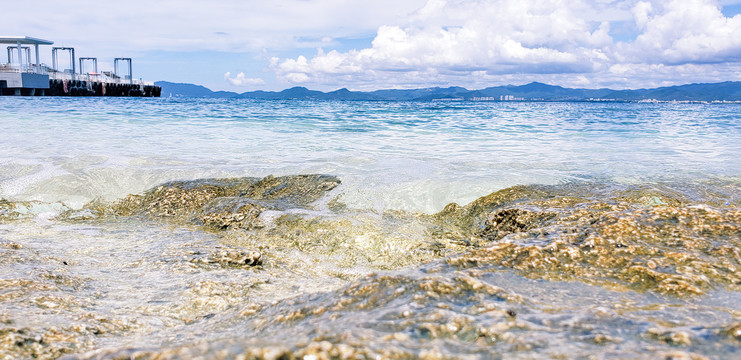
x=362 y=45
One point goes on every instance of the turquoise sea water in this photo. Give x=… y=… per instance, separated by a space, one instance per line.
x=412 y=156
x=127 y=285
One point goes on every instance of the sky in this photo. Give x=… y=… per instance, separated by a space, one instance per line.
x=245 y=45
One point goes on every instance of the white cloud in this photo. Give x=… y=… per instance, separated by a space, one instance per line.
x=656 y=75
x=684 y=31
x=462 y=41
x=505 y=36
x=242 y=80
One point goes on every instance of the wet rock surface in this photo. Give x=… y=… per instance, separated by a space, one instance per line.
x=435 y=314
x=230 y=257
x=7 y=209
x=19 y=210
x=621 y=239
x=509 y=221
x=232 y=212
x=189 y=199
x=277 y=268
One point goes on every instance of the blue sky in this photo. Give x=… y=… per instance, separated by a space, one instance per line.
x=243 y=45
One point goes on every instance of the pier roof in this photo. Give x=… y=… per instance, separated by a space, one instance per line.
x=24 y=40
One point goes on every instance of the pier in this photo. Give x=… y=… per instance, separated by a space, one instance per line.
x=22 y=76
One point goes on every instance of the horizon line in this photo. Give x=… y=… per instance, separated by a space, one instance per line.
x=444 y=87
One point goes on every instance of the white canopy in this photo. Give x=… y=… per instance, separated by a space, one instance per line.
x=26 y=40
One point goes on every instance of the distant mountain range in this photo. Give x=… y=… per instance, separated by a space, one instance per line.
x=725 y=91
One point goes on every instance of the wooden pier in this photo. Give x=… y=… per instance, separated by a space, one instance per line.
x=20 y=76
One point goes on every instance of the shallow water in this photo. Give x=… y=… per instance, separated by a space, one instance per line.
x=579 y=229
x=405 y=156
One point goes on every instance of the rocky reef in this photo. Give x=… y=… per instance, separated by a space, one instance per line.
x=562 y=271
x=643 y=238
x=651 y=239
x=226 y=203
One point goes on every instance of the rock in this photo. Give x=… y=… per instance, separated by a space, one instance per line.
x=295 y=190
x=734 y=331
x=225 y=203
x=231 y=257
x=179 y=198
x=609 y=237
x=232 y=212
x=508 y=221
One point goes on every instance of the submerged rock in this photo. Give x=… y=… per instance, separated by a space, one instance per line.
x=432 y=312
x=231 y=257
x=621 y=238
x=504 y=274
x=734 y=331
x=176 y=198
x=7 y=210
x=17 y=210
x=232 y=212
x=225 y=203
x=509 y=221
x=672 y=239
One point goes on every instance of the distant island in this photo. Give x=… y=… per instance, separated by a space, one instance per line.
x=729 y=91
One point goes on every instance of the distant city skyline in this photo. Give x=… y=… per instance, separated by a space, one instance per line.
x=366 y=45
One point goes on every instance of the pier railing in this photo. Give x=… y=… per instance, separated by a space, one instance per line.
x=102 y=77
x=43 y=69
x=28 y=69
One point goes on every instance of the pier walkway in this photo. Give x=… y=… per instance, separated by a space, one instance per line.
x=21 y=76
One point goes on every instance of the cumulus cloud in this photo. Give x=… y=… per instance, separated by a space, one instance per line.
x=501 y=36
x=242 y=80
x=452 y=40
x=684 y=31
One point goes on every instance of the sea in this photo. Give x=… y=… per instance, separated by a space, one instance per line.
x=178 y=228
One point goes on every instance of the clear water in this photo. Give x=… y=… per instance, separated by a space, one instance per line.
x=125 y=275
x=412 y=156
